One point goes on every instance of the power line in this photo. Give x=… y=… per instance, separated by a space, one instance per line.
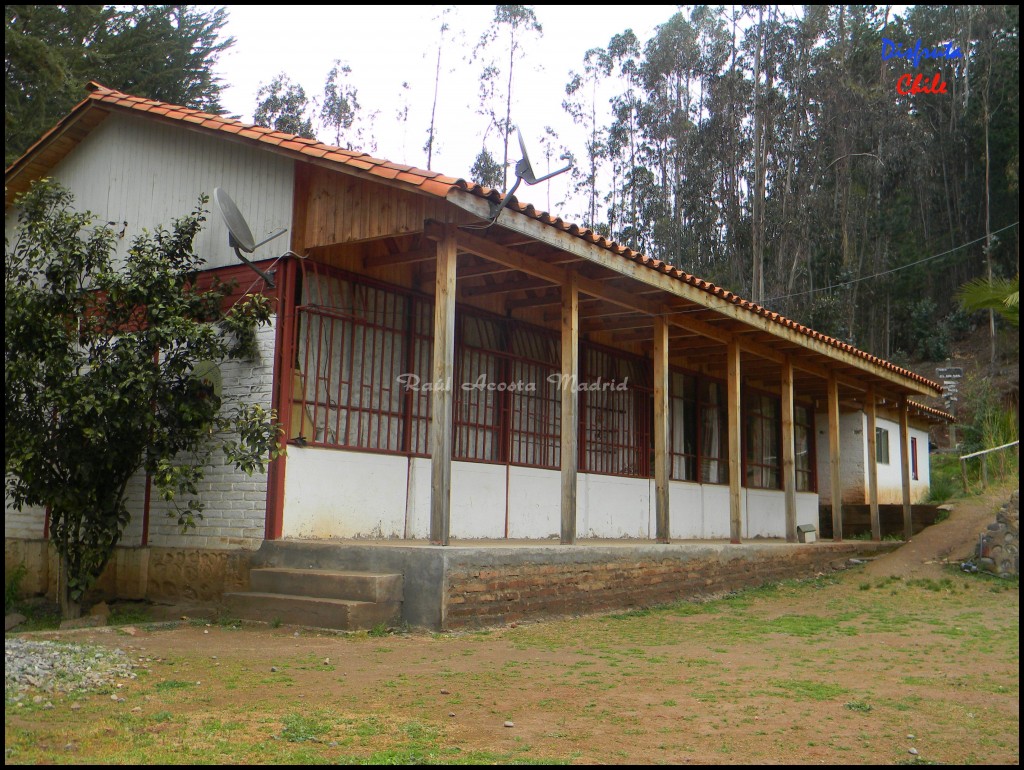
x=893 y=270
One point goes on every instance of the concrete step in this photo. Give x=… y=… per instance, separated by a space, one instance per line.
x=328 y=584
x=344 y=614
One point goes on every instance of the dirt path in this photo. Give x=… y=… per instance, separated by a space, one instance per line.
x=949 y=542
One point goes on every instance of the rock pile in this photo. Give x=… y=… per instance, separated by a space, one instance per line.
x=47 y=667
x=998 y=547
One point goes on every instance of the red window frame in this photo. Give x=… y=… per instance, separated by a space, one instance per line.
x=692 y=460
x=762 y=441
x=358 y=407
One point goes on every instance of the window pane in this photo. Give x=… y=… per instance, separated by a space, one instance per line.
x=882 y=446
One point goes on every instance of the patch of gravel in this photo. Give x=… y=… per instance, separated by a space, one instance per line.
x=49 y=667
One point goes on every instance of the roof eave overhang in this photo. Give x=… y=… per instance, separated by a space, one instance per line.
x=810 y=347
x=43 y=151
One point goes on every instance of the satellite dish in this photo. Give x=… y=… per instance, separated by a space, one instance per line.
x=524 y=169
x=524 y=173
x=239 y=234
x=240 y=237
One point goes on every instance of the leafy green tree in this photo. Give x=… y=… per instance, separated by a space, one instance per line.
x=581 y=103
x=486 y=170
x=100 y=363
x=283 y=106
x=340 y=107
x=165 y=52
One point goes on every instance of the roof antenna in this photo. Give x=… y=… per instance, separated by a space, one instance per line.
x=240 y=237
x=524 y=173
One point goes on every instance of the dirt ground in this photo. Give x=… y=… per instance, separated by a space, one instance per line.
x=901 y=655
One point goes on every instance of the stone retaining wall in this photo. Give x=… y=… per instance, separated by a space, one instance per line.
x=998 y=549
x=593 y=582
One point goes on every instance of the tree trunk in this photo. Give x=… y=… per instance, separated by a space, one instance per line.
x=69 y=609
x=988 y=226
x=757 y=232
x=433 y=111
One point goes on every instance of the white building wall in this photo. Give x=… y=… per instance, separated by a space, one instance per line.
x=534 y=503
x=613 y=506
x=417 y=504
x=765 y=513
x=344 y=494
x=28 y=523
x=136 y=170
x=852 y=456
x=135 y=500
x=890 y=476
x=236 y=504
x=686 y=510
x=715 y=501
x=478 y=500
x=807 y=508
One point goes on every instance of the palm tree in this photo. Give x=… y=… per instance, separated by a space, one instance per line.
x=999 y=294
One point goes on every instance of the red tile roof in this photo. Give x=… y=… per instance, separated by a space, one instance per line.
x=437 y=185
x=931 y=411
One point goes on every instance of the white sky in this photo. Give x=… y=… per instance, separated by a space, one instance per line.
x=388 y=45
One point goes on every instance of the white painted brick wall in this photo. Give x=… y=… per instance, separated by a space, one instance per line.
x=30 y=523
x=235 y=512
x=135 y=499
x=27 y=523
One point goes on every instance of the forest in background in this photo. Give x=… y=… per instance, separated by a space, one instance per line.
x=767 y=152
x=774 y=156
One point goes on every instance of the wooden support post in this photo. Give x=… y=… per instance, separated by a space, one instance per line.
x=570 y=413
x=908 y=524
x=876 y=520
x=735 y=445
x=662 y=451
x=833 y=458
x=788 y=449
x=441 y=397
x=963 y=473
x=284 y=354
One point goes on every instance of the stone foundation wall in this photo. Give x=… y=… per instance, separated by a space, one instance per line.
x=154 y=573
x=497 y=594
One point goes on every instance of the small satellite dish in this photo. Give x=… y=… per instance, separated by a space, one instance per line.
x=240 y=237
x=524 y=173
x=239 y=234
x=524 y=169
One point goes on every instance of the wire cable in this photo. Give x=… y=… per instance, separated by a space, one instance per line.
x=892 y=270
